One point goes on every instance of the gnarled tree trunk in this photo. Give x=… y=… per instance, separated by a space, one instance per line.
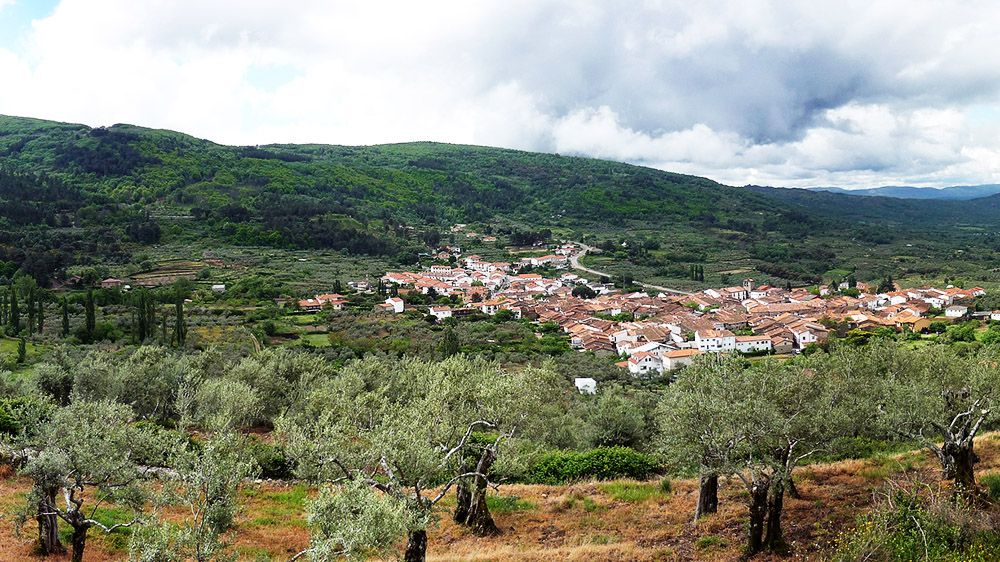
x=48 y=524
x=79 y=542
x=758 y=516
x=708 y=495
x=775 y=503
x=958 y=462
x=480 y=520
x=463 y=501
x=416 y=546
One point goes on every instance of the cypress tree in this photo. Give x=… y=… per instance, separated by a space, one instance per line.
x=41 y=316
x=15 y=312
x=22 y=350
x=31 y=311
x=179 y=329
x=65 y=318
x=450 y=344
x=88 y=306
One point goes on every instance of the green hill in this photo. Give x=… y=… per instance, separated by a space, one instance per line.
x=64 y=187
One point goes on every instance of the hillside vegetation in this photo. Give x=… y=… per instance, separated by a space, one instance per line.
x=129 y=187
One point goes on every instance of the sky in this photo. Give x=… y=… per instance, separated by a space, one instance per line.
x=841 y=93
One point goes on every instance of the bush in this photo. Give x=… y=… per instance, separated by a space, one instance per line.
x=607 y=463
x=992 y=484
x=13 y=412
x=272 y=460
x=666 y=486
x=920 y=523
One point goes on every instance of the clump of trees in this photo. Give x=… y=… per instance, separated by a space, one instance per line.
x=757 y=422
x=386 y=439
x=412 y=430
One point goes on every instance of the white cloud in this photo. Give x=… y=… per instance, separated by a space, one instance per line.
x=854 y=93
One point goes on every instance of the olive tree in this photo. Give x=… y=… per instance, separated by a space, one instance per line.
x=405 y=428
x=694 y=431
x=752 y=422
x=353 y=521
x=204 y=481
x=507 y=406
x=281 y=378
x=22 y=422
x=943 y=399
x=89 y=451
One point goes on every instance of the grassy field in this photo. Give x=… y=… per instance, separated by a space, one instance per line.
x=618 y=521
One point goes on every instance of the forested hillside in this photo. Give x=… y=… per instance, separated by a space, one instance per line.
x=71 y=186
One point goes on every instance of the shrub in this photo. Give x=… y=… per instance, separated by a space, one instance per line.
x=666 y=486
x=917 y=522
x=992 y=484
x=14 y=411
x=272 y=460
x=607 y=463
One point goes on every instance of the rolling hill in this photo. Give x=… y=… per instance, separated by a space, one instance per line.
x=66 y=187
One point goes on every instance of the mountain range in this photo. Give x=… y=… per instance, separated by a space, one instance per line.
x=956 y=192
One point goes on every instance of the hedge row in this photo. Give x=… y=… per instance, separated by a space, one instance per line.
x=596 y=464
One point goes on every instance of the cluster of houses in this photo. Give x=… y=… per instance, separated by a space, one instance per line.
x=660 y=333
x=331 y=301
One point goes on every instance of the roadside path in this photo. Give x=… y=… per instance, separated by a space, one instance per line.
x=574 y=261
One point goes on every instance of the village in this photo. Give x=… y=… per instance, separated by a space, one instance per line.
x=658 y=333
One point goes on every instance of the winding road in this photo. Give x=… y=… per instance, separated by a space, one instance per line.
x=574 y=262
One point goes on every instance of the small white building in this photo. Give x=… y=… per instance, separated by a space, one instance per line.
x=714 y=341
x=956 y=311
x=220 y=288
x=396 y=304
x=679 y=358
x=585 y=385
x=644 y=363
x=440 y=312
x=753 y=344
x=995 y=315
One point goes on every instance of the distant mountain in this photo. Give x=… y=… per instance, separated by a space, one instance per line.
x=955 y=193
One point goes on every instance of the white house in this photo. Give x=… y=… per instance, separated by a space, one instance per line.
x=714 y=341
x=753 y=344
x=679 y=358
x=220 y=288
x=585 y=385
x=956 y=311
x=440 y=312
x=644 y=363
x=650 y=347
x=396 y=303
x=995 y=316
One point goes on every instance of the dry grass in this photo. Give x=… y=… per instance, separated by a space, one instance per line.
x=581 y=522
